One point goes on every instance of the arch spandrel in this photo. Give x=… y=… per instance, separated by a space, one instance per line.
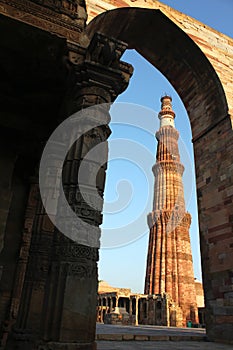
x=217 y=47
x=174 y=54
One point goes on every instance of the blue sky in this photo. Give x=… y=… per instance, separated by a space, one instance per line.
x=129 y=184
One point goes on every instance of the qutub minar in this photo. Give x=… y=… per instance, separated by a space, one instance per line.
x=169 y=260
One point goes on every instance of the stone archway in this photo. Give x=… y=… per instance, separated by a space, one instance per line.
x=187 y=68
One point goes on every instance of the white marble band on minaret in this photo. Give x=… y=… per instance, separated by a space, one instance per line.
x=166 y=115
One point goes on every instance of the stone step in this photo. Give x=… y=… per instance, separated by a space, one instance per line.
x=144 y=337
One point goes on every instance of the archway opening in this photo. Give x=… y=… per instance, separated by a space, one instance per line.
x=181 y=61
x=146 y=87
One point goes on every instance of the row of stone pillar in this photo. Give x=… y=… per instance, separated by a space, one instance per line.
x=109 y=306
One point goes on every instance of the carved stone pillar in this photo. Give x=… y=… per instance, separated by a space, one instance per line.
x=117 y=301
x=130 y=306
x=111 y=304
x=58 y=303
x=32 y=207
x=136 y=311
x=30 y=284
x=107 y=305
x=147 y=309
x=101 y=304
x=99 y=79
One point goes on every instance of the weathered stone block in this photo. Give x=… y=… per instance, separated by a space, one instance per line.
x=127 y=337
x=141 y=337
x=159 y=337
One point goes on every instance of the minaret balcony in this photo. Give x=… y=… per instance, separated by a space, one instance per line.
x=168 y=166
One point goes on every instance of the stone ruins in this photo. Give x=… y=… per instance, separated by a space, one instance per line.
x=55 y=63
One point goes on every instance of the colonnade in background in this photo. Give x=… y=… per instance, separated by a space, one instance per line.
x=157 y=309
x=135 y=305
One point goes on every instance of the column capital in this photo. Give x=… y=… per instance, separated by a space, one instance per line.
x=101 y=76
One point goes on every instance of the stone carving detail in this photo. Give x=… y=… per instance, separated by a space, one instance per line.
x=99 y=78
x=105 y=51
x=69 y=7
x=31 y=209
x=67 y=249
x=96 y=82
x=47 y=18
x=82 y=270
x=79 y=267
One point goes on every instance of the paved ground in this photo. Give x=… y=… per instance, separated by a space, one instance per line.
x=111 y=337
x=149 y=330
x=161 y=345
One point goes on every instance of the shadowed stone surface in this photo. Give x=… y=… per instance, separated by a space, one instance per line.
x=160 y=345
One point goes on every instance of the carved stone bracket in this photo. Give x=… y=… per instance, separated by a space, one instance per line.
x=102 y=69
x=105 y=51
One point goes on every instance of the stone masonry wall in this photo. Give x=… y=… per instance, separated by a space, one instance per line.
x=217 y=47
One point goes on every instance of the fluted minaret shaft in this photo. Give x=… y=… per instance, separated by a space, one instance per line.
x=169 y=260
x=168 y=171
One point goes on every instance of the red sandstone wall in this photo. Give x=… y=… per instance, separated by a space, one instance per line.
x=217 y=47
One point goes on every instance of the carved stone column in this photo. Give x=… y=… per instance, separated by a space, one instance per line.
x=101 y=304
x=136 y=310
x=130 y=306
x=30 y=284
x=110 y=309
x=99 y=79
x=58 y=302
x=117 y=302
x=32 y=207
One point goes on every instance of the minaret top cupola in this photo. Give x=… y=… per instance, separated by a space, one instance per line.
x=166 y=115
